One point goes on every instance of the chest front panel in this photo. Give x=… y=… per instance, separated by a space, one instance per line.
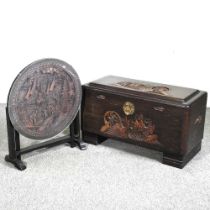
x=133 y=119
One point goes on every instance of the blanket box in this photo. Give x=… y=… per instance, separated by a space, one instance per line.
x=161 y=117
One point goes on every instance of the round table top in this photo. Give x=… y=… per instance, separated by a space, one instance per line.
x=44 y=98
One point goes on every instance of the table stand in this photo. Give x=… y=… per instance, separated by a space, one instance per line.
x=15 y=152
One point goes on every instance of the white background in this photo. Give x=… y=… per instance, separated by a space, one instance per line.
x=160 y=41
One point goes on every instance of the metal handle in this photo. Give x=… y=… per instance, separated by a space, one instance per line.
x=198 y=120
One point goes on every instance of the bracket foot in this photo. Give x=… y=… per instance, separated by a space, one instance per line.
x=16 y=162
x=178 y=161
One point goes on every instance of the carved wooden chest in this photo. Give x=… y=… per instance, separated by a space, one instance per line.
x=161 y=117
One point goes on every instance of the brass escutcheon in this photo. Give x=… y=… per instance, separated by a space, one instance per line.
x=128 y=108
x=101 y=97
x=159 y=108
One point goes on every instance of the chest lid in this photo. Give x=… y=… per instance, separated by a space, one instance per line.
x=145 y=89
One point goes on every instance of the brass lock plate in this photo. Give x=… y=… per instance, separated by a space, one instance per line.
x=128 y=108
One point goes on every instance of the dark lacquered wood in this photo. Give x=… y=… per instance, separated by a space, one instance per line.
x=180 y=161
x=178 y=123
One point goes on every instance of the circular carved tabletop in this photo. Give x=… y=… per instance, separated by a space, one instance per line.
x=44 y=98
